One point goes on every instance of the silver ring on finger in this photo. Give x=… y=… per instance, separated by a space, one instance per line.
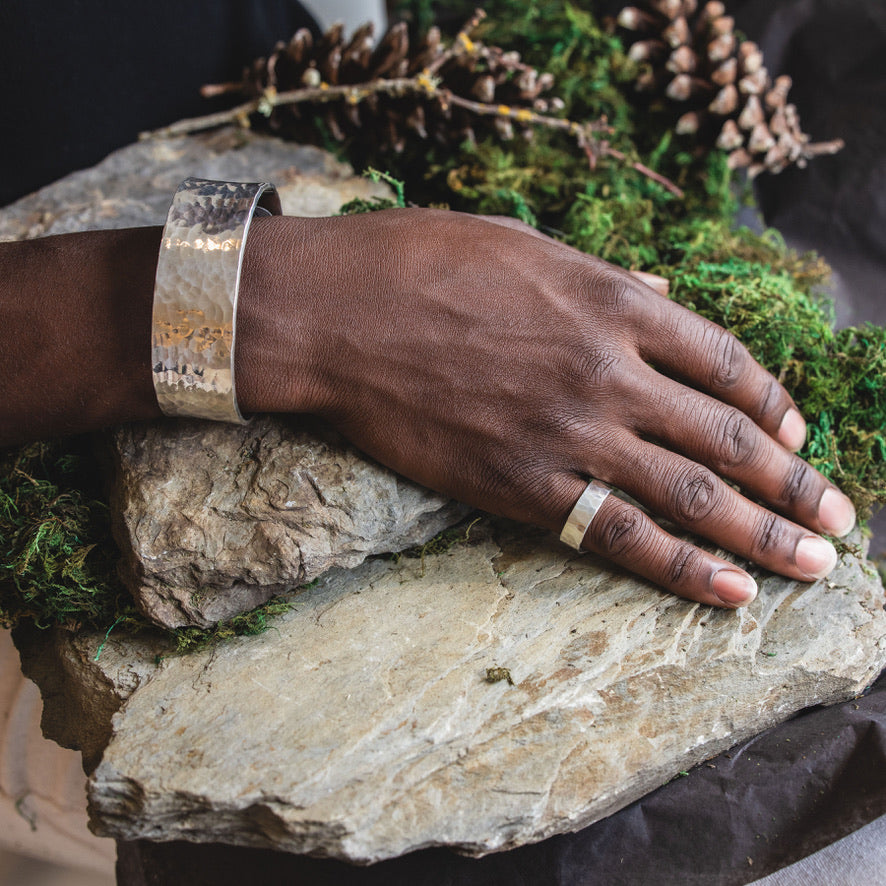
x=582 y=515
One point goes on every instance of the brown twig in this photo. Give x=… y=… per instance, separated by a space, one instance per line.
x=583 y=132
x=521 y=115
x=353 y=93
x=461 y=43
x=421 y=84
x=425 y=84
x=211 y=90
x=645 y=170
x=817 y=149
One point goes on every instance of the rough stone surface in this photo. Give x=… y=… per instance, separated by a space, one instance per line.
x=215 y=519
x=363 y=726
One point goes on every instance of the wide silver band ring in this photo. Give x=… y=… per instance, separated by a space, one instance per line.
x=581 y=516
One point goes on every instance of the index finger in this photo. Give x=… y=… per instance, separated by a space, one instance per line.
x=653 y=281
x=688 y=346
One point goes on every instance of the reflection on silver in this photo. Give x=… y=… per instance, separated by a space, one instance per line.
x=195 y=295
x=583 y=513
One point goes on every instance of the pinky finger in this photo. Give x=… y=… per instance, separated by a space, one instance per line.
x=625 y=535
x=653 y=281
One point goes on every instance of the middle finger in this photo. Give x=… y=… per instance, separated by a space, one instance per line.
x=733 y=446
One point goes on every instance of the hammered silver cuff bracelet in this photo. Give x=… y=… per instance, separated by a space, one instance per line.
x=194 y=321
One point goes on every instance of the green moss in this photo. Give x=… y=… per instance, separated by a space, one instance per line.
x=256 y=621
x=58 y=559
x=837 y=378
x=358 y=205
x=56 y=563
x=441 y=543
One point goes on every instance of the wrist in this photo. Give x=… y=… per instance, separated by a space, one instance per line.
x=277 y=352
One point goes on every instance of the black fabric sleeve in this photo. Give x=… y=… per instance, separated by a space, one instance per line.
x=80 y=78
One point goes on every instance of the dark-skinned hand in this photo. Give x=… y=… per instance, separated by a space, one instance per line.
x=504 y=369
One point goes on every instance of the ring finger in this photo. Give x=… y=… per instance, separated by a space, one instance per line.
x=693 y=497
x=625 y=535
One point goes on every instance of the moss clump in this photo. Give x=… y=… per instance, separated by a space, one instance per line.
x=57 y=554
x=838 y=378
x=359 y=205
x=441 y=543
x=256 y=621
x=57 y=565
x=57 y=558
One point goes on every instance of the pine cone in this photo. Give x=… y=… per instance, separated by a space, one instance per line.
x=385 y=119
x=717 y=84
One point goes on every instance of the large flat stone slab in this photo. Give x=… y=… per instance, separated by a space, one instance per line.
x=362 y=726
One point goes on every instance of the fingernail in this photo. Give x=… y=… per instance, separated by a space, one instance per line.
x=734 y=588
x=836 y=513
x=815 y=556
x=792 y=433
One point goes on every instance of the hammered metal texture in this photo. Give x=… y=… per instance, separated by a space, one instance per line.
x=195 y=296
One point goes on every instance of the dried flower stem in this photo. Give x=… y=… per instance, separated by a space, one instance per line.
x=461 y=43
x=821 y=149
x=353 y=93
x=645 y=170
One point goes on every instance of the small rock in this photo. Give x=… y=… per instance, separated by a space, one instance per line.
x=214 y=519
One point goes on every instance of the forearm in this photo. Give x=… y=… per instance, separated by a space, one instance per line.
x=75 y=319
x=75 y=330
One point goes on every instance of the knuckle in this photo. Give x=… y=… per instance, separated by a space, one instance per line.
x=695 y=495
x=565 y=432
x=523 y=472
x=798 y=485
x=500 y=480
x=594 y=366
x=612 y=293
x=623 y=532
x=769 y=535
x=771 y=397
x=600 y=366
x=736 y=442
x=729 y=365
x=684 y=563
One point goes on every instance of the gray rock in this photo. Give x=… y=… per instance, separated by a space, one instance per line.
x=134 y=186
x=363 y=726
x=214 y=519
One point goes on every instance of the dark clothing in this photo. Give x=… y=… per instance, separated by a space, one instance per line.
x=84 y=77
